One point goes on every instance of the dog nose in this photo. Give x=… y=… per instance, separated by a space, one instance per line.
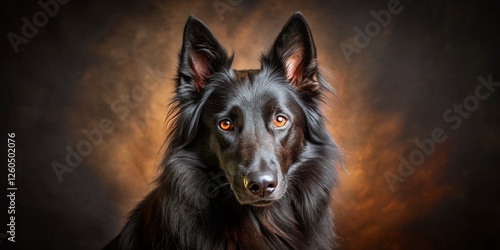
x=261 y=184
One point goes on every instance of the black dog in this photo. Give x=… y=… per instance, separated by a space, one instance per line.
x=250 y=163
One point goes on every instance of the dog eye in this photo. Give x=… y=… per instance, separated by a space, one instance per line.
x=226 y=125
x=280 y=121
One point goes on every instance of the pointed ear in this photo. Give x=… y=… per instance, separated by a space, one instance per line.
x=201 y=55
x=293 y=53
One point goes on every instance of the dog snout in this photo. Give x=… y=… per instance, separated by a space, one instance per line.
x=261 y=184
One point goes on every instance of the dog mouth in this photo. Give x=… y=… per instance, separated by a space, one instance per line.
x=258 y=203
x=245 y=197
x=261 y=203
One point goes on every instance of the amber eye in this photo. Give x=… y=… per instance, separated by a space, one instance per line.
x=225 y=125
x=280 y=121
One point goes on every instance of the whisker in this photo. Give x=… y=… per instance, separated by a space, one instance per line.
x=218 y=175
x=224 y=184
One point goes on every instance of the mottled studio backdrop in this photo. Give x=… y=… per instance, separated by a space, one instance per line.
x=417 y=112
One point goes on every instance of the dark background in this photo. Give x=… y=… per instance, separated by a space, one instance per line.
x=91 y=53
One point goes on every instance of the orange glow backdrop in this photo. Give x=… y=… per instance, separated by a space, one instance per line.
x=391 y=92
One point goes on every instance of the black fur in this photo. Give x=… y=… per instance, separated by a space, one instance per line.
x=204 y=196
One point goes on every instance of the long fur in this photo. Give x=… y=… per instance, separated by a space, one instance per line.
x=193 y=205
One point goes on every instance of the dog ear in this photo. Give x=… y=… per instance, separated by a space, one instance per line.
x=201 y=55
x=293 y=53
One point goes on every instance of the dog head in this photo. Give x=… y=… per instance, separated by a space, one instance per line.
x=252 y=124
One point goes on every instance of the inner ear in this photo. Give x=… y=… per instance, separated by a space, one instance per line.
x=201 y=71
x=293 y=66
